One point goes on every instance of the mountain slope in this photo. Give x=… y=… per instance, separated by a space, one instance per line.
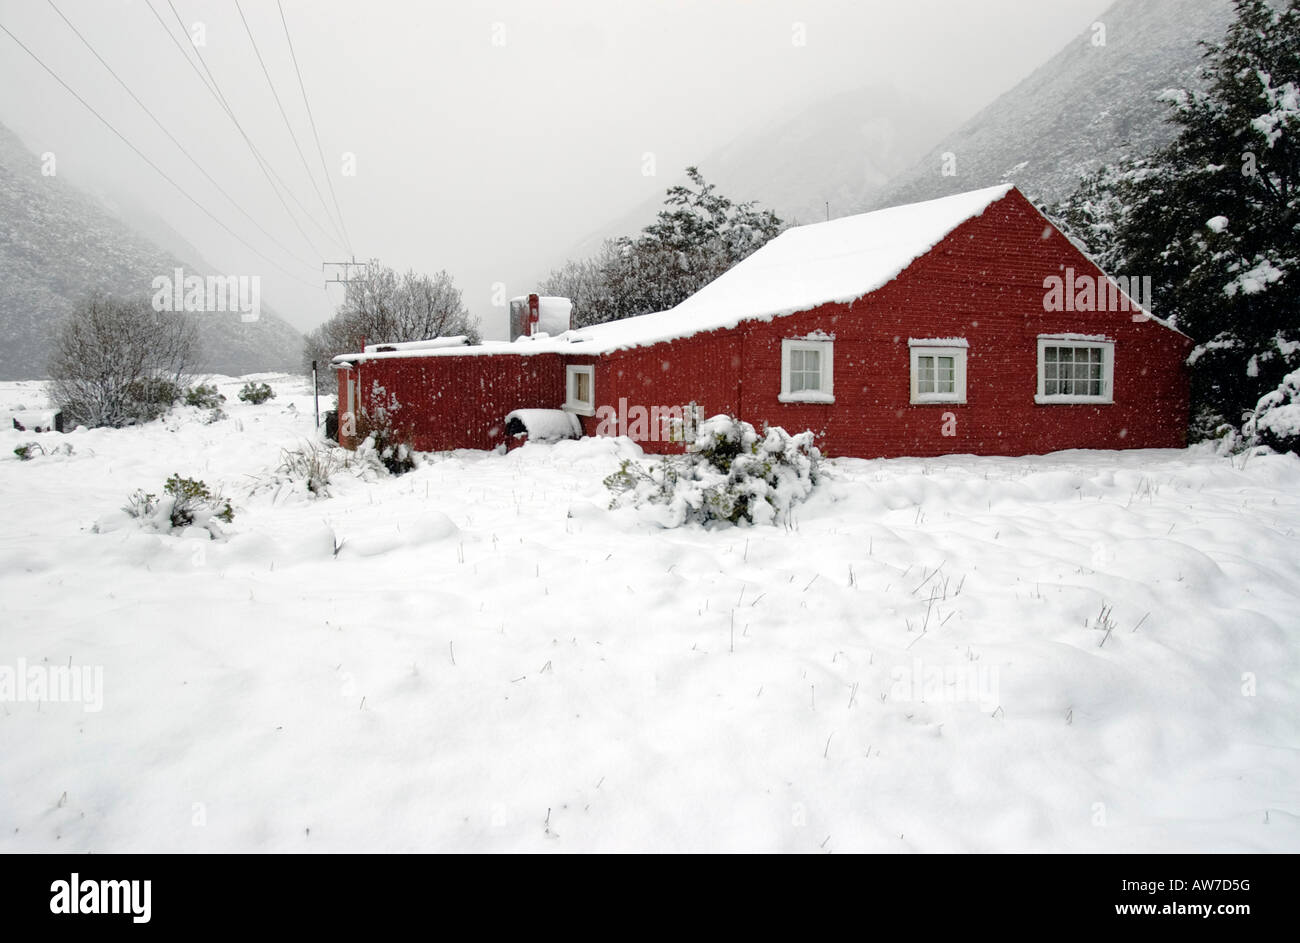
x=1087 y=106
x=57 y=245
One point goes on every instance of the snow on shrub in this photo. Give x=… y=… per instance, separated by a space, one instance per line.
x=256 y=393
x=147 y=398
x=398 y=457
x=186 y=502
x=312 y=469
x=29 y=450
x=313 y=465
x=731 y=472
x=1276 y=419
x=379 y=438
x=204 y=396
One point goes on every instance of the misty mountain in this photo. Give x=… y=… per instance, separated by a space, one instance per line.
x=1089 y=105
x=836 y=151
x=58 y=244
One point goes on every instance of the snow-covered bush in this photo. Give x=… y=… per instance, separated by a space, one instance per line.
x=147 y=398
x=380 y=440
x=29 y=450
x=731 y=472
x=186 y=502
x=192 y=499
x=398 y=457
x=256 y=393
x=311 y=464
x=140 y=504
x=1275 y=421
x=204 y=396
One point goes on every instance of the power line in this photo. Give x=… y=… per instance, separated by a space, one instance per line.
x=233 y=202
x=108 y=124
x=329 y=180
x=283 y=114
x=273 y=178
x=216 y=93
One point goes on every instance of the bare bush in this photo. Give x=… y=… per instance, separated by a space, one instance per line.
x=117 y=361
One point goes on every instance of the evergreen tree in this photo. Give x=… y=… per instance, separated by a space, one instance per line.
x=1214 y=217
x=696 y=237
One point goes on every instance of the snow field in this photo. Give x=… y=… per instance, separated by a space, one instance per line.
x=1088 y=651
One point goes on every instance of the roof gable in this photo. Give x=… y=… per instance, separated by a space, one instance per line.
x=836 y=261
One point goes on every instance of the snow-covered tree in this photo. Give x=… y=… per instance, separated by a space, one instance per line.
x=1214 y=218
x=696 y=237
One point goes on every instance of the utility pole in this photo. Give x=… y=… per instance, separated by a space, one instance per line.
x=346 y=273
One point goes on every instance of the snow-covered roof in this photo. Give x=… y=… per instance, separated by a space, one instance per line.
x=836 y=261
x=839 y=260
x=457 y=340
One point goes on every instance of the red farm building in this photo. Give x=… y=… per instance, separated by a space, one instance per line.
x=967 y=324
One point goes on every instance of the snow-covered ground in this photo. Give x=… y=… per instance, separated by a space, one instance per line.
x=1088 y=651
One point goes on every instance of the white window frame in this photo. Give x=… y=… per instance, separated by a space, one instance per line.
x=954 y=347
x=576 y=405
x=1077 y=341
x=825 y=348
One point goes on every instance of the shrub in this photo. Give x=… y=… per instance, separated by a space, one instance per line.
x=378 y=437
x=204 y=396
x=116 y=361
x=147 y=398
x=193 y=501
x=256 y=393
x=729 y=473
x=1275 y=421
x=29 y=450
x=141 y=505
x=311 y=464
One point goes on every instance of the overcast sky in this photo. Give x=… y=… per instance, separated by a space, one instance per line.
x=489 y=137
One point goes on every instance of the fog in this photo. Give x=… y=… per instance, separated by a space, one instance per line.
x=487 y=139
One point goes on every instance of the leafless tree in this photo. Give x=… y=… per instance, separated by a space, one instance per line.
x=117 y=361
x=382 y=306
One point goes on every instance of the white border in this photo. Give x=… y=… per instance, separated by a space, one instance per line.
x=577 y=406
x=1107 y=396
x=827 y=350
x=954 y=347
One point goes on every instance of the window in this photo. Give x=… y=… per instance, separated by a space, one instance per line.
x=938 y=370
x=806 y=371
x=580 y=395
x=1074 y=369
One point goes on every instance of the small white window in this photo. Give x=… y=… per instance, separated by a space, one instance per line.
x=938 y=370
x=1072 y=369
x=807 y=371
x=580 y=390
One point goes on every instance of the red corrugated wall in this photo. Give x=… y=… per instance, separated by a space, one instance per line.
x=456 y=402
